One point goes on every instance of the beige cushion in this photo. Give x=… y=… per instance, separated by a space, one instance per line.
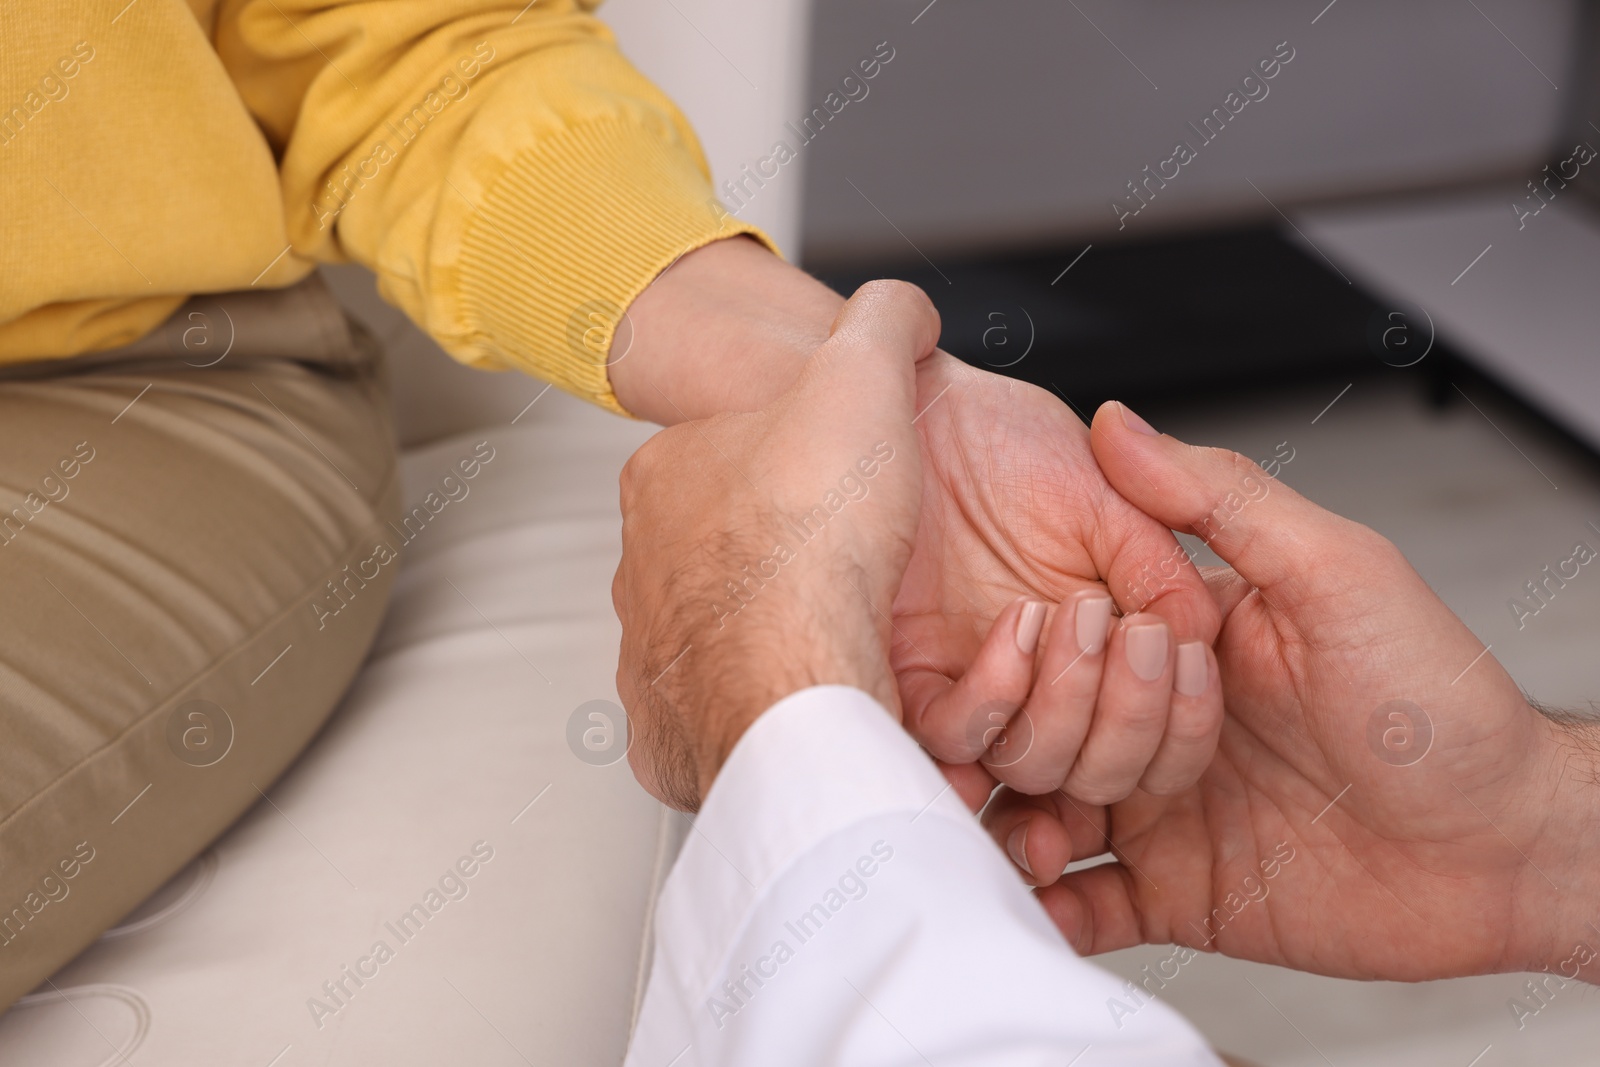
x=500 y=628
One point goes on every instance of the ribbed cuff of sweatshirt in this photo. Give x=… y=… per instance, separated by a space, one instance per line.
x=576 y=227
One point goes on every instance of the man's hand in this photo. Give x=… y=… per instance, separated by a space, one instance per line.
x=762 y=551
x=1384 y=803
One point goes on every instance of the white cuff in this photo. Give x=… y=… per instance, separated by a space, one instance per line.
x=817 y=762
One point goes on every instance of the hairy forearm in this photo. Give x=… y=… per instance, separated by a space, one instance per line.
x=725 y=328
x=747 y=677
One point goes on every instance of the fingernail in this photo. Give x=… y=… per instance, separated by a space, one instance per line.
x=1015 y=846
x=1093 y=622
x=1193 y=670
x=1029 y=623
x=1132 y=421
x=1146 y=648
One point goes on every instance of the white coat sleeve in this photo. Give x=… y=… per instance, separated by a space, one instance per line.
x=836 y=904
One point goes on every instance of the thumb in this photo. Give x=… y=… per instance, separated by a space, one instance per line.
x=865 y=373
x=1270 y=534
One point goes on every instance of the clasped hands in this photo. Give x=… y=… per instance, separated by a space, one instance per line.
x=1006 y=582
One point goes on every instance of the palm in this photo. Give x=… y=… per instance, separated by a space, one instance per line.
x=1013 y=505
x=1399 y=875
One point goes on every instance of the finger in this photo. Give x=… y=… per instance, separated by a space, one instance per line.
x=851 y=410
x=1040 y=846
x=1194 y=722
x=865 y=373
x=1269 y=533
x=1131 y=714
x=1095 y=909
x=929 y=652
x=1228 y=587
x=971 y=781
x=958 y=722
x=1041 y=742
x=1146 y=569
x=1042 y=834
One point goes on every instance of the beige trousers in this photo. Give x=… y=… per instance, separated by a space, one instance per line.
x=187 y=586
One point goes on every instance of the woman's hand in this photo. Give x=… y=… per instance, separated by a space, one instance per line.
x=1384 y=803
x=1015 y=511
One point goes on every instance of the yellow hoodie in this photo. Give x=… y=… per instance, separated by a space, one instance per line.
x=510 y=178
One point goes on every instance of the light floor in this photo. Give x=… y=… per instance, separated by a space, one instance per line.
x=1479 y=501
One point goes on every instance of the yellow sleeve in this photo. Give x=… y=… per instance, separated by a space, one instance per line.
x=513 y=182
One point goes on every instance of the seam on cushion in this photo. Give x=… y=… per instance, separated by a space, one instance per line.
x=658 y=877
x=389 y=482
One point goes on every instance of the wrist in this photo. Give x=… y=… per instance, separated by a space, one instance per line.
x=725 y=328
x=748 y=670
x=1566 y=887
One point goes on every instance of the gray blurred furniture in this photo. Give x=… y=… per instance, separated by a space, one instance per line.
x=1395 y=144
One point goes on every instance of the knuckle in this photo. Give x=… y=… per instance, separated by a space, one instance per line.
x=628 y=485
x=636 y=470
x=948 y=738
x=949 y=746
x=1166 y=785
x=1238 y=464
x=1194 y=730
x=1138 y=721
x=1032 y=778
x=1096 y=790
x=659 y=449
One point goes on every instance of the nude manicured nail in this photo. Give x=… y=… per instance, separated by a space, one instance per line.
x=1016 y=847
x=1146 y=648
x=1132 y=421
x=1093 y=622
x=1193 y=670
x=1029 y=623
